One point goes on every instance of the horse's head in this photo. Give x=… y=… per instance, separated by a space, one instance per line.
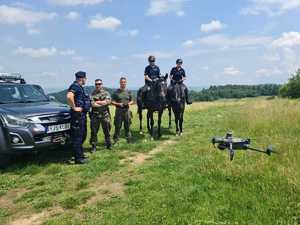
x=178 y=94
x=161 y=87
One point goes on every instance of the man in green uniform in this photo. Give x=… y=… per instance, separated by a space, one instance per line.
x=122 y=99
x=100 y=114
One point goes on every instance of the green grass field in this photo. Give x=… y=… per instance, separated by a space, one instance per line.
x=175 y=180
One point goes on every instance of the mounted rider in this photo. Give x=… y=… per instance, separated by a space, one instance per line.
x=152 y=72
x=178 y=76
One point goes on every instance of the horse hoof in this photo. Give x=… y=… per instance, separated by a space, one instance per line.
x=181 y=134
x=177 y=134
x=141 y=133
x=152 y=139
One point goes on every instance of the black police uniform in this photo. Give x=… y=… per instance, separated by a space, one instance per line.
x=177 y=75
x=152 y=71
x=78 y=120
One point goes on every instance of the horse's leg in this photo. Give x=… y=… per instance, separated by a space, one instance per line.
x=160 y=113
x=152 y=123
x=170 y=117
x=181 y=122
x=148 y=121
x=140 y=111
x=176 y=120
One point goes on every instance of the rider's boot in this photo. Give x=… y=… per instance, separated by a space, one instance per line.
x=187 y=99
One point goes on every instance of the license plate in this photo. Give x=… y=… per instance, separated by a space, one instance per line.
x=58 y=128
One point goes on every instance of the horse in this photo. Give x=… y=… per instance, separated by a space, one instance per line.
x=154 y=100
x=176 y=102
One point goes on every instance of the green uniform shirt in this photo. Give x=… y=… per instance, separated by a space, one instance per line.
x=122 y=96
x=100 y=95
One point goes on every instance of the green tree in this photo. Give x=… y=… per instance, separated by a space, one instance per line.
x=292 y=88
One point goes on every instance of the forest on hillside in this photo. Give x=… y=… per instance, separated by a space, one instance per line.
x=210 y=94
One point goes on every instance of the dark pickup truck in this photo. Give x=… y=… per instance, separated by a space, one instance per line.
x=29 y=119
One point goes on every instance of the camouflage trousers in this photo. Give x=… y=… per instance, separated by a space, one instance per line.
x=122 y=116
x=104 y=119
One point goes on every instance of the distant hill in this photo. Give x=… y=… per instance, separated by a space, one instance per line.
x=208 y=94
x=61 y=95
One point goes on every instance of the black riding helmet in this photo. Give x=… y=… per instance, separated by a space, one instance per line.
x=179 y=61
x=151 y=58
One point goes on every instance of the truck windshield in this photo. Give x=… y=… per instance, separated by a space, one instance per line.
x=11 y=93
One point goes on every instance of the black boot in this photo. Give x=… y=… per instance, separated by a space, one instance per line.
x=187 y=98
x=81 y=161
x=129 y=138
x=94 y=148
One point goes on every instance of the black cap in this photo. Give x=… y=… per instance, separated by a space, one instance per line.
x=179 y=61
x=151 y=58
x=80 y=74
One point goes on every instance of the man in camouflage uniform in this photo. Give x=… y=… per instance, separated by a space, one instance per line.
x=122 y=99
x=100 y=114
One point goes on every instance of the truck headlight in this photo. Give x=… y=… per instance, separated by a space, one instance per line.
x=13 y=121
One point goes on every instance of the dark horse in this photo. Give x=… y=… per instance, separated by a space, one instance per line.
x=176 y=103
x=155 y=100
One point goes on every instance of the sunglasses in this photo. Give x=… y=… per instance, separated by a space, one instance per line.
x=98 y=84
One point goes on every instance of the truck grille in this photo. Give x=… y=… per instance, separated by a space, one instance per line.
x=51 y=119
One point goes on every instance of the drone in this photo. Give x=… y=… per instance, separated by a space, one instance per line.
x=232 y=144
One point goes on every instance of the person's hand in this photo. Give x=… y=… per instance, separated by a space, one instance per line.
x=101 y=102
x=121 y=105
x=77 y=109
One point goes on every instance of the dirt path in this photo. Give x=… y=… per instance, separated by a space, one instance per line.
x=140 y=158
x=106 y=186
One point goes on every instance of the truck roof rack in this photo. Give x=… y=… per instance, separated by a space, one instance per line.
x=11 y=77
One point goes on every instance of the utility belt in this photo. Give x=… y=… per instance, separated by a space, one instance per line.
x=124 y=108
x=174 y=82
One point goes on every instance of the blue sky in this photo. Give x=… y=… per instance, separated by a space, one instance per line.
x=221 y=42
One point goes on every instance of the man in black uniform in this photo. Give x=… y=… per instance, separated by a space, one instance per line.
x=151 y=73
x=178 y=76
x=80 y=104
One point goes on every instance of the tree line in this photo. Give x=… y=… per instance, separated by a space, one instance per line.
x=210 y=94
x=214 y=93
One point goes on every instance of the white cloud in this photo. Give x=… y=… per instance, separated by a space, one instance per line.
x=113 y=57
x=105 y=23
x=43 y=52
x=72 y=16
x=157 y=54
x=270 y=7
x=33 y=31
x=188 y=44
x=77 y=2
x=264 y=72
x=160 y=7
x=290 y=39
x=36 y=53
x=133 y=33
x=214 y=25
x=225 y=42
x=13 y=15
x=67 y=52
x=232 y=71
x=157 y=36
